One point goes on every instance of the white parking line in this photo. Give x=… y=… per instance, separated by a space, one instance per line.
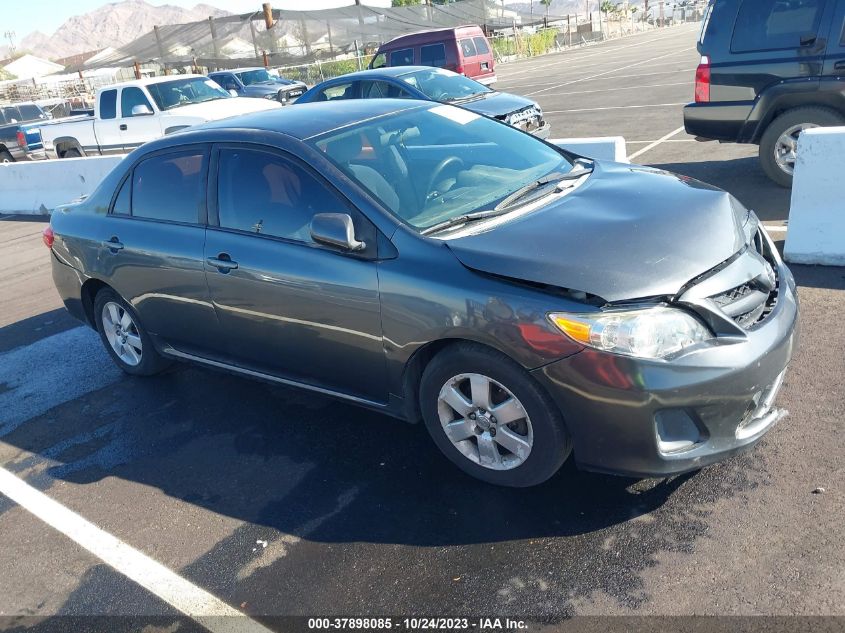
x=624 y=107
x=588 y=92
x=651 y=146
x=607 y=72
x=208 y=611
x=549 y=83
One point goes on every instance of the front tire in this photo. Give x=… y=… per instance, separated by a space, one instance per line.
x=779 y=143
x=491 y=419
x=123 y=336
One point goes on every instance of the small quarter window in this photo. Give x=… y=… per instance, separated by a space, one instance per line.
x=122 y=202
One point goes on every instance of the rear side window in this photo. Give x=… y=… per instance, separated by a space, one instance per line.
x=765 y=25
x=108 y=104
x=259 y=192
x=30 y=112
x=481 y=45
x=169 y=187
x=403 y=57
x=433 y=55
x=467 y=48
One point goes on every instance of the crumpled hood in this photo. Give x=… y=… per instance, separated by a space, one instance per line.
x=223 y=108
x=628 y=232
x=498 y=104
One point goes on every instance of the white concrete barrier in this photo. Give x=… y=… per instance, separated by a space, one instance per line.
x=817 y=212
x=35 y=188
x=598 y=147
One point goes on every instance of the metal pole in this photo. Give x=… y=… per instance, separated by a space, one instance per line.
x=329 y=32
x=214 y=40
x=358 y=55
x=137 y=70
x=161 y=50
x=254 y=39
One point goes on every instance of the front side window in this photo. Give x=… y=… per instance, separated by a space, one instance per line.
x=468 y=48
x=443 y=85
x=170 y=187
x=460 y=161
x=481 y=45
x=383 y=90
x=433 y=55
x=404 y=57
x=108 y=104
x=379 y=61
x=267 y=194
x=131 y=97
x=765 y=25
x=182 y=92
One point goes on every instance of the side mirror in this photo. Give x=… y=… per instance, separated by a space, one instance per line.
x=335 y=229
x=233 y=92
x=141 y=110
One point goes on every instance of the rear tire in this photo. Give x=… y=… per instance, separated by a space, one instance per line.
x=491 y=418
x=777 y=150
x=123 y=336
x=6 y=157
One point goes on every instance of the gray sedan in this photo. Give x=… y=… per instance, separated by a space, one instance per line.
x=433 y=264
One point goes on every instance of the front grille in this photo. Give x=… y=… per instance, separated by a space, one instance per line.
x=753 y=301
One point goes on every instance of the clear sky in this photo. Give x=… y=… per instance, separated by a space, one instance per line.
x=25 y=16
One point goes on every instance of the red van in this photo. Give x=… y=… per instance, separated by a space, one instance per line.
x=463 y=49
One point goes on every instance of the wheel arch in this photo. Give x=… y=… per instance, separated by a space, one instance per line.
x=88 y=295
x=419 y=360
x=64 y=143
x=783 y=98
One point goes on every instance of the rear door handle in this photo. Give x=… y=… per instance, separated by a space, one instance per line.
x=123 y=127
x=222 y=262
x=113 y=244
x=840 y=65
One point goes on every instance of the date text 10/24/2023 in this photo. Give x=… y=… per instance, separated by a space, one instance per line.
x=417 y=624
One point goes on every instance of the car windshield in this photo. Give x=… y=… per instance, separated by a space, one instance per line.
x=442 y=85
x=461 y=162
x=182 y=92
x=259 y=76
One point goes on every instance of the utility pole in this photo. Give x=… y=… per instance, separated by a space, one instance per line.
x=214 y=40
x=161 y=50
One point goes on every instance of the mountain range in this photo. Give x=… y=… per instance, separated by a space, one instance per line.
x=112 y=24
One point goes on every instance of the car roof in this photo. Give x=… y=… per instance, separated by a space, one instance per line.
x=307 y=120
x=418 y=37
x=386 y=71
x=151 y=80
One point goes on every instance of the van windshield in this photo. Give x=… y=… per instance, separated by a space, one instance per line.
x=444 y=85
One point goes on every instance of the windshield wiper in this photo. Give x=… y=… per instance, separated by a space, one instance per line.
x=556 y=177
x=461 y=219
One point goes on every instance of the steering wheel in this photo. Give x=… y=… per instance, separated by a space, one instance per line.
x=450 y=162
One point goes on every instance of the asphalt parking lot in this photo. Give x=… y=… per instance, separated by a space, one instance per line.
x=278 y=502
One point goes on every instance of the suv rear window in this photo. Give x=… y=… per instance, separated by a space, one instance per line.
x=764 y=25
x=481 y=45
x=467 y=48
x=433 y=55
x=403 y=57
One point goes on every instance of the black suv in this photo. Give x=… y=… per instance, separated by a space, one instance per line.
x=769 y=69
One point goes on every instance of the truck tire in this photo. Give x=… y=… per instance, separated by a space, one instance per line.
x=6 y=157
x=779 y=142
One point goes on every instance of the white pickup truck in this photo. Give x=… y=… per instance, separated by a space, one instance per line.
x=129 y=114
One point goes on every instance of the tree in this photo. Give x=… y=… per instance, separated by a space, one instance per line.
x=405 y=3
x=548 y=3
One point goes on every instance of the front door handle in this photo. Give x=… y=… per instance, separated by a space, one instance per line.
x=808 y=39
x=222 y=262
x=123 y=127
x=840 y=65
x=113 y=244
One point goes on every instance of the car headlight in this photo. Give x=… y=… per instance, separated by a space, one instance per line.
x=654 y=332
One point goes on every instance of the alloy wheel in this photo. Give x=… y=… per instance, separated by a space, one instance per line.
x=122 y=333
x=786 y=146
x=485 y=421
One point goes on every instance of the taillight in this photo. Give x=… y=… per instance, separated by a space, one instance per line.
x=22 y=140
x=48 y=237
x=702 y=81
x=459 y=69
